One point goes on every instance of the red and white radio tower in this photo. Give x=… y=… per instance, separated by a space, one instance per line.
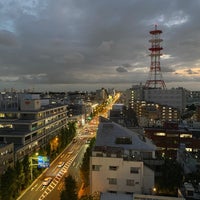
x=155 y=76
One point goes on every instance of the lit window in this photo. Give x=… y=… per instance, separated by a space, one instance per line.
x=2 y=115
x=160 y=134
x=188 y=149
x=184 y=135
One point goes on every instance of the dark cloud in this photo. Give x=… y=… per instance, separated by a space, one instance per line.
x=49 y=43
x=127 y=65
x=168 y=69
x=7 y=38
x=121 y=69
x=190 y=71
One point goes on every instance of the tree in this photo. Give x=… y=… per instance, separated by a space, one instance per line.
x=8 y=185
x=86 y=197
x=171 y=179
x=20 y=176
x=72 y=129
x=70 y=192
x=64 y=138
x=130 y=117
x=85 y=166
x=191 y=107
x=26 y=169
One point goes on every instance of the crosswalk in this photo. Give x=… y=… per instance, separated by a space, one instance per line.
x=56 y=180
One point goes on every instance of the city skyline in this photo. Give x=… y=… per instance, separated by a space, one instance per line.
x=75 y=45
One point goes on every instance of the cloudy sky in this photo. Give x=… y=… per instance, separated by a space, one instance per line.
x=88 y=44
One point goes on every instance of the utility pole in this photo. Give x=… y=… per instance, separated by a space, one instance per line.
x=31 y=165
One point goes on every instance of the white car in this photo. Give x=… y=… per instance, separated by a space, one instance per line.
x=61 y=164
x=46 y=181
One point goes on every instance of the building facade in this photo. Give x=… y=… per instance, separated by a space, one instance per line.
x=174 y=97
x=169 y=137
x=6 y=156
x=116 y=164
x=154 y=114
x=133 y=94
x=31 y=124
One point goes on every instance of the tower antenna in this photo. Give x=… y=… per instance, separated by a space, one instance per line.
x=155 y=76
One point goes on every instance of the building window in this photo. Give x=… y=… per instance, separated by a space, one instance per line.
x=111 y=191
x=96 y=167
x=172 y=135
x=112 y=181
x=134 y=170
x=114 y=168
x=123 y=140
x=185 y=135
x=130 y=193
x=2 y=115
x=99 y=154
x=160 y=134
x=146 y=155
x=188 y=149
x=130 y=182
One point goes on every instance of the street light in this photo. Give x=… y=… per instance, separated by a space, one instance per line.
x=42 y=162
x=31 y=163
x=154 y=190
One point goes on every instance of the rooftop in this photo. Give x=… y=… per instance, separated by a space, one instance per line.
x=113 y=135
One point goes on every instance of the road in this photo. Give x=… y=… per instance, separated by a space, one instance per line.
x=72 y=156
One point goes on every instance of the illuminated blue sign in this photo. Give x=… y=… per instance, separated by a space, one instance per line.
x=43 y=162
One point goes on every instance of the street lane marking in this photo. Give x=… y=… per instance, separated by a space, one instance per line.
x=56 y=180
x=34 y=187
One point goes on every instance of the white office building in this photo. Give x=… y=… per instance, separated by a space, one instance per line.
x=174 y=97
x=116 y=164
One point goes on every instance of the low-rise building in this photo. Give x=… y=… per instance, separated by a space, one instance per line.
x=117 y=161
x=169 y=137
x=111 y=196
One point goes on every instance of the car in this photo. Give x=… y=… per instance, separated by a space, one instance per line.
x=46 y=181
x=61 y=164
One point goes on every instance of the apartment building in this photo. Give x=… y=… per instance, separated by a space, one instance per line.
x=133 y=94
x=116 y=164
x=6 y=156
x=30 y=123
x=176 y=97
x=193 y=97
x=169 y=137
x=101 y=95
x=154 y=114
